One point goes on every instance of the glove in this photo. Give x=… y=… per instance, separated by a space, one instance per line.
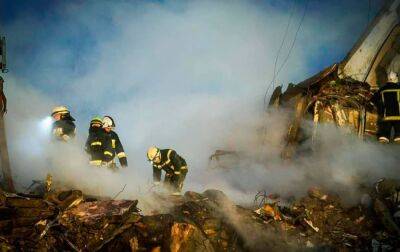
x=65 y=138
x=123 y=161
x=58 y=132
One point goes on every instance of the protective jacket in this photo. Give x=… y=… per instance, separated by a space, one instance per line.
x=98 y=146
x=173 y=164
x=64 y=129
x=116 y=148
x=387 y=100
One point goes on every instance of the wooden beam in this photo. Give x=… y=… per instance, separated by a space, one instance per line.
x=5 y=160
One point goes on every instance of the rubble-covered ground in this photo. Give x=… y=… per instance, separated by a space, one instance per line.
x=69 y=221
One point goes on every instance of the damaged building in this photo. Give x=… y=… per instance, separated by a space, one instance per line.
x=341 y=93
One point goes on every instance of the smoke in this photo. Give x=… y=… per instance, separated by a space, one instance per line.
x=184 y=75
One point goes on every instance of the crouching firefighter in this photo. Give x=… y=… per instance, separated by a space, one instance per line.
x=387 y=101
x=97 y=145
x=175 y=168
x=63 y=126
x=117 y=150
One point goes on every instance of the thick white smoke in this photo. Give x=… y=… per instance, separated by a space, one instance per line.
x=189 y=76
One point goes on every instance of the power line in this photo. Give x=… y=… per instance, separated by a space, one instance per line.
x=288 y=55
x=283 y=40
x=280 y=48
x=295 y=38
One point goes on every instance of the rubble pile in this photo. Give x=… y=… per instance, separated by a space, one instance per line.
x=320 y=221
x=358 y=92
x=325 y=98
x=67 y=221
x=345 y=103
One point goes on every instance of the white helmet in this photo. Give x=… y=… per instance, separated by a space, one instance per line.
x=393 y=77
x=108 y=122
x=60 y=110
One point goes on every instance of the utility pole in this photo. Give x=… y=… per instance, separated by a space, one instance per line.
x=5 y=160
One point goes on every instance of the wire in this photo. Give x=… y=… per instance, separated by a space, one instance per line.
x=280 y=48
x=295 y=38
x=272 y=84
x=283 y=40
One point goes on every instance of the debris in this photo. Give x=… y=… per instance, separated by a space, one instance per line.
x=224 y=159
x=353 y=237
x=316 y=229
x=360 y=219
x=271 y=211
x=309 y=244
x=325 y=98
x=123 y=188
x=317 y=193
x=206 y=221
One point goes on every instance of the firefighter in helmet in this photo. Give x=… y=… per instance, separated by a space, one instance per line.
x=387 y=102
x=63 y=126
x=116 y=147
x=97 y=144
x=175 y=168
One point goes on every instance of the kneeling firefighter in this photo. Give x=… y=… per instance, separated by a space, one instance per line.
x=116 y=146
x=97 y=145
x=63 y=126
x=175 y=168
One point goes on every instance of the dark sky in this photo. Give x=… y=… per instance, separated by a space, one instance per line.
x=46 y=22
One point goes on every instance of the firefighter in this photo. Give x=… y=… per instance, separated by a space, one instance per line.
x=387 y=101
x=116 y=147
x=175 y=168
x=97 y=144
x=63 y=126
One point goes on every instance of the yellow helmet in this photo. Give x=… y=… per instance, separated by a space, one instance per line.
x=96 y=120
x=152 y=153
x=60 y=110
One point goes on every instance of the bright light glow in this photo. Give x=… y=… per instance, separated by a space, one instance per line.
x=45 y=124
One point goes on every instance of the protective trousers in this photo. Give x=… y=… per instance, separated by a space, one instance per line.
x=385 y=129
x=175 y=181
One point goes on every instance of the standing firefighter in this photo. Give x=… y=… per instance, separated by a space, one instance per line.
x=116 y=147
x=63 y=126
x=387 y=100
x=175 y=168
x=97 y=145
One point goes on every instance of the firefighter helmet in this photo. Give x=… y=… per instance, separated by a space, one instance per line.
x=108 y=122
x=152 y=153
x=393 y=77
x=96 y=120
x=60 y=110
